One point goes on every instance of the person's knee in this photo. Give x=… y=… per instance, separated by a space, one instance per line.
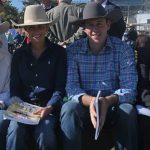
x=46 y=142
x=128 y=115
x=68 y=109
x=128 y=109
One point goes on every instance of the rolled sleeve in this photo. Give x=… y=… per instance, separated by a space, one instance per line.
x=128 y=76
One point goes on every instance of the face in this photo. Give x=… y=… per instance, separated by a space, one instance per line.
x=99 y=1
x=96 y=30
x=37 y=32
x=46 y=3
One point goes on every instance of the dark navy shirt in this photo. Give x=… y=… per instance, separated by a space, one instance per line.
x=39 y=81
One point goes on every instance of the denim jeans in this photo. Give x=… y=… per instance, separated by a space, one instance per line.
x=3 y=131
x=39 y=137
x=75 y=119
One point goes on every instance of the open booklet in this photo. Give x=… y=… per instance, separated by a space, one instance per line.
x=98 y=117
x=22 y=112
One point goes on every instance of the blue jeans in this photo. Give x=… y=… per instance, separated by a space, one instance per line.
x=40 y=137
x=122 y=121
x=3 y=131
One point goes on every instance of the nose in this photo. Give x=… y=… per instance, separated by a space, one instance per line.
x=95 y=27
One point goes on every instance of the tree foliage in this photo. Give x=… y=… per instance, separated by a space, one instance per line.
x=10 y=12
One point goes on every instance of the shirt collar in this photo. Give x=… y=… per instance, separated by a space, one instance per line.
x=104 y=3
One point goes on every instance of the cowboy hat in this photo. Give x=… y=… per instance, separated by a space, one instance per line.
x=95 y=10
x=35 y=15
x=4 y=26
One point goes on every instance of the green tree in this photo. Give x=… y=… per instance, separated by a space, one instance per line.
x=10 y=12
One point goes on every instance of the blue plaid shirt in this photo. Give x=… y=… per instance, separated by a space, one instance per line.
x=112 y=70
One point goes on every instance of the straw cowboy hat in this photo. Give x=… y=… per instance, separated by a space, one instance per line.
x=4 y=26
x=35 y=15
x=95 y=10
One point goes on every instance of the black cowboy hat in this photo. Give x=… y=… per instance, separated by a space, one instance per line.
x=95 y=10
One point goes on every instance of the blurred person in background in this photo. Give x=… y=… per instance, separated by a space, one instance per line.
x=132 y=36
x=64 y=32
x=47 y=4
x=143 y=98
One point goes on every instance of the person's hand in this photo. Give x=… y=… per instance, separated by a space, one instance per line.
x=103 y=107
x=93 y=113
x=44 y=111
x=63 y=44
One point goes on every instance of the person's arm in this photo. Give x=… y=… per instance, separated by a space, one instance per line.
x=118 y=28
x=60 y=79
x=127 y=75
x=73 y=88
x=76 y=36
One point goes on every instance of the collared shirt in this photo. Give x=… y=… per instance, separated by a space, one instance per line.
x=112 y=71
x=5 y=61
x=39 y=81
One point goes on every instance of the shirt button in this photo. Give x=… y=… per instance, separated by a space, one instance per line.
x=31 y=65
x=36 y=75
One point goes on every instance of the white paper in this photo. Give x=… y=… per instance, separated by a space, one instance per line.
x=143 y=110
x=97 y=118
x=22 y=119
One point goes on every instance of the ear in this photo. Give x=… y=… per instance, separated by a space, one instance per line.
x=108 y=22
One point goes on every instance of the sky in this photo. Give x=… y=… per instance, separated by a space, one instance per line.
x=18 y=4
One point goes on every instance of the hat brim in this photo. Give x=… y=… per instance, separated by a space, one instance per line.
x=4 y=26
x=50 y=23
x=113 y=16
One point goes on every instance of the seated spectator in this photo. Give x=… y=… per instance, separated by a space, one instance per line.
x=132 y=36
x=143 y=66
x=105 y=63
x=38 y=75
x=18 y=39
x=5 y=60
x=47 y=4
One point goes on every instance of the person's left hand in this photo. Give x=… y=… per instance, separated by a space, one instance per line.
x=45 y=111
x=103 y=105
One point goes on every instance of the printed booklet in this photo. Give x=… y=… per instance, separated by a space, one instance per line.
x=22 y=112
